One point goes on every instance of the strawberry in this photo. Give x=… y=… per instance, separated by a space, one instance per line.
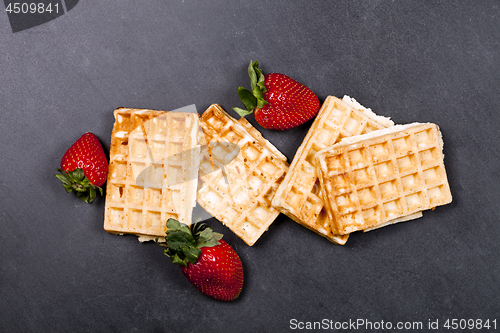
x=84 y=168
x=277 y=101
x=205 y=259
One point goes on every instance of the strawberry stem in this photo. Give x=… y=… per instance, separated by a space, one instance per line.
x=77 y=181
x=254 y=98
x=183 y=243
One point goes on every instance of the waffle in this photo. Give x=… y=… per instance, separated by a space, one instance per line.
x=299 y=196
x=247 y=172
x=153 y=171
x=370 y=180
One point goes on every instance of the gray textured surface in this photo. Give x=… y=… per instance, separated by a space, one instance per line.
x=413 y=61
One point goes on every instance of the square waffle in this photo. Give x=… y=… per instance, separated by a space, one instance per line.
x=239 y=190
x=299 y=195
x=370 y=180
x=153 y=171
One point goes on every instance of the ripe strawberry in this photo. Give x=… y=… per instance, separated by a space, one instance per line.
x=84 y=168
x=278 y=101
x=206 y=260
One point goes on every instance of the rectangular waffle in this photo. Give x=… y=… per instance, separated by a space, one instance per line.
x=299 y=196
x=370 y=180
x=248 y=169
x=153 y=171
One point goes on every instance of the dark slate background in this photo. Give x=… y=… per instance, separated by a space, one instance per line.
x=428 y=61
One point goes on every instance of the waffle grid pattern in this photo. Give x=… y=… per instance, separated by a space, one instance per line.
x=299 y=196
x=137 y=198
x=239 y=194
x=373 y=181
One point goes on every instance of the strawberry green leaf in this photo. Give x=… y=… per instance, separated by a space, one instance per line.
x=92 y=193
x=209 y=238
x=256 y=81
x=261 y=83
x=185 y=229
x=177 y=239
x=173 y=225
x=68 y=188
x=191 y=253
x=85 y=196
x=247 y=98
x=253 y=73
x=62 y=178
x=77 y=175
x=258 y=93
x=178 y=261
x=242 y=112
x=261 y=102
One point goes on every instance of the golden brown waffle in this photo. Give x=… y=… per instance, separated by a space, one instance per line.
x=248 y=169
x=299 y=196
x=370 y=180
x=153 y=171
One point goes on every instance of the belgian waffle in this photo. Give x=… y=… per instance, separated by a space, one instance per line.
x=372 y=179
x=299 y=195
x=153 y=171
x=248 y=169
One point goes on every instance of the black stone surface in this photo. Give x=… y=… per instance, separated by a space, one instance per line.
x=427 y=61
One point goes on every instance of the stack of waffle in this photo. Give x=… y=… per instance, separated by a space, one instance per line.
x=357 y=171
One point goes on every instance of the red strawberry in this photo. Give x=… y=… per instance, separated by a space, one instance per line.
x=84 y=168
x=207 y=261
x=278 y=101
